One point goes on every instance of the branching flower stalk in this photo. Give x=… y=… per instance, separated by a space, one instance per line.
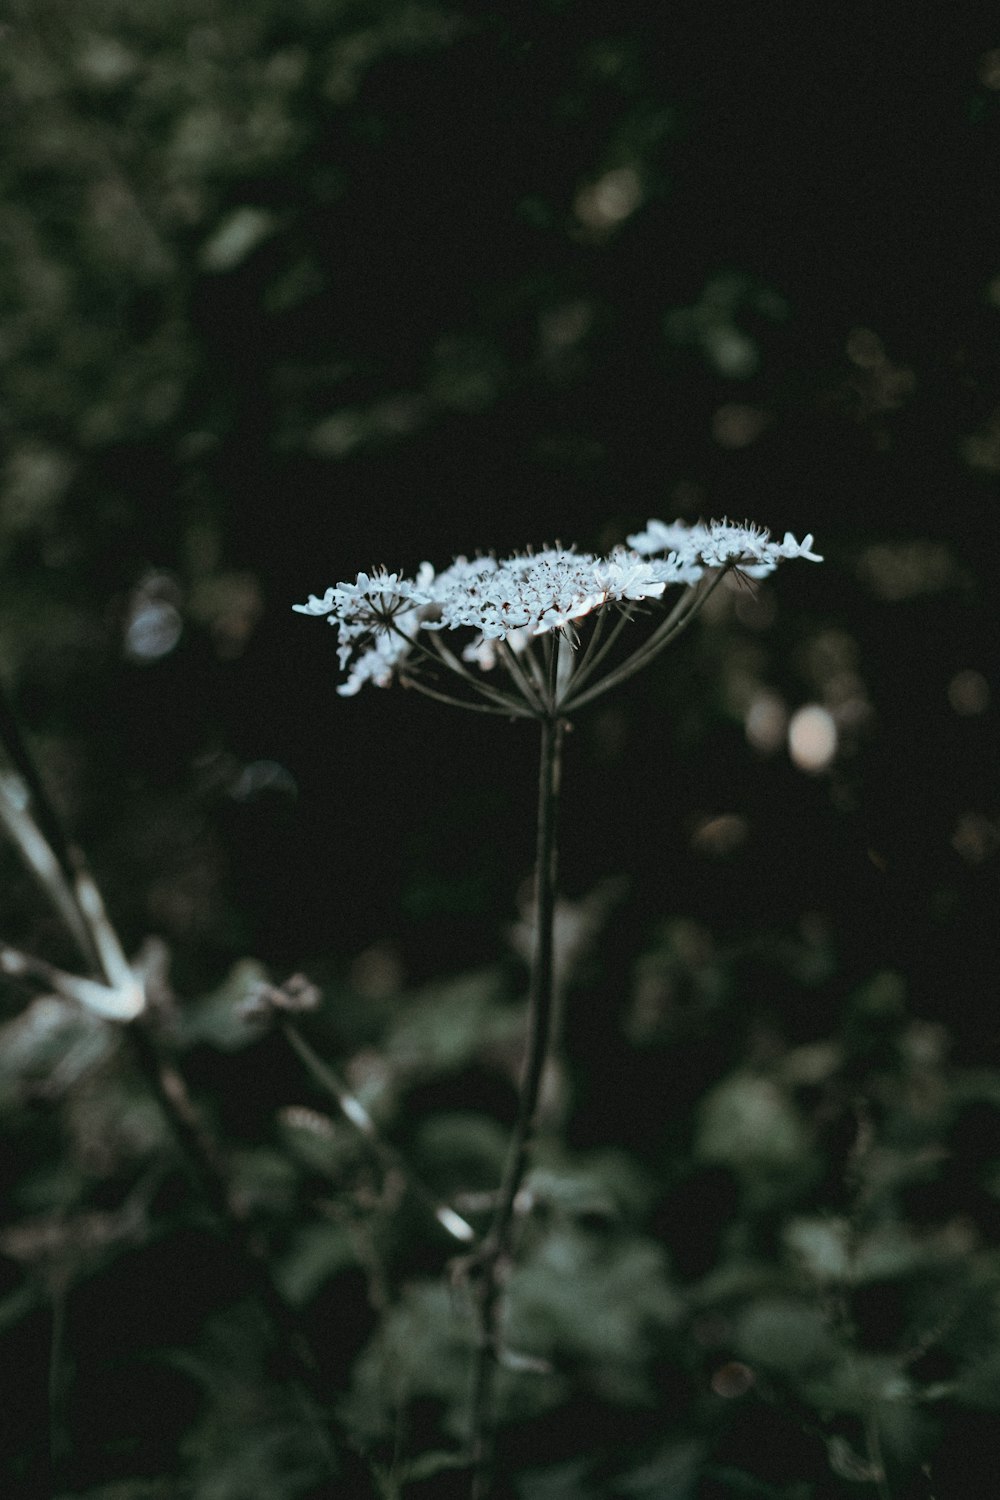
x=523 y=657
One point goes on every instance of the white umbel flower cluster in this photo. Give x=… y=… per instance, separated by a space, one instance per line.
x=380 y=617
x=745 y=546
x=541 y=591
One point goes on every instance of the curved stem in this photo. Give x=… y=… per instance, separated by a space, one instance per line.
x=496 y=1246
x=444 y=654
x=513 y=711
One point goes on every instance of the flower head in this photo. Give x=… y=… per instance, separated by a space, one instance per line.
x=385 y=620
x=367 y=612
x=720 y=544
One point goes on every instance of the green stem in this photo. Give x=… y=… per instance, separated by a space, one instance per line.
x=495 y=1248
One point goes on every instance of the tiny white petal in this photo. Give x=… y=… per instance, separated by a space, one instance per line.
x=318 y=606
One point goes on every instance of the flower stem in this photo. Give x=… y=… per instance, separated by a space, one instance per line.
x=594 y=653
x=673 y=626
x=512 y=711
x=491 y=1256
x=520 y=677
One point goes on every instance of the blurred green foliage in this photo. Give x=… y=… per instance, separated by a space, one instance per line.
x=818 y=1245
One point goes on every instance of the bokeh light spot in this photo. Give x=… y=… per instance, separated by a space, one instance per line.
x=733 y=1380
x=975 y=838
x=989 y=68
x=969 y=693
x=719 y=836
x=812 y=738
x=766 y=723
x=603 y=204
x=153 y=631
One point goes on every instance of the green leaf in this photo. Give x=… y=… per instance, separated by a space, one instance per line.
x=785 y=1334
x=749 y=1122
x=444 y=1026
x=317 y=1252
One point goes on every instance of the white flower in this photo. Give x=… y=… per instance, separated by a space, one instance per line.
x=718 y=544
x=324 y=606
x=658 y=537
x=374 y=601
x=378 y=664
x=791 y=548
x=534 y=592
x=625 y=575
x=369 y=610
x=379 y=616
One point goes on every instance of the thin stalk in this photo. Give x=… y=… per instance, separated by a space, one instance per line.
x=21 y=815
x=666 y=633
x=529 y=691
x=355 y=1113
x=876 y=1460
x=495 y=1248
x=513 y=710
x=551 y=644
x=535 y=668
x=592 y=657
x=57 y=1385
x=119 y=996
x=36 y=803
x=441 y=655
x=593 y=641
x=33 y=823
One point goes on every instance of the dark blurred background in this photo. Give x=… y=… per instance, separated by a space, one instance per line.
x=291 y=289
x=294 y=289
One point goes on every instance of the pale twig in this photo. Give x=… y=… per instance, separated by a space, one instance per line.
x=111 y=1004
x=40 y=858
x=354 y=1111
